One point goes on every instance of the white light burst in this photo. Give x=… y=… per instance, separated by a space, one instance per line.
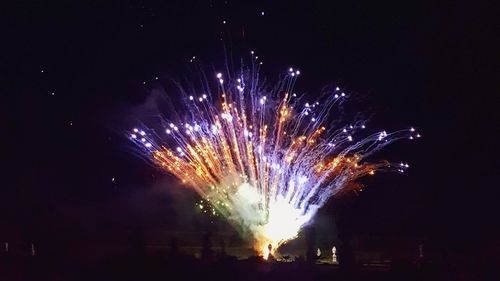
x=263 y=155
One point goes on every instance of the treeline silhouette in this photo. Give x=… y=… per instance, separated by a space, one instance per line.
x=172 y=264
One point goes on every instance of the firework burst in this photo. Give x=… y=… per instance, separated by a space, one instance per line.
x=263 y=158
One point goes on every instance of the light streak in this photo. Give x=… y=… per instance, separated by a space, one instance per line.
x=262 y=158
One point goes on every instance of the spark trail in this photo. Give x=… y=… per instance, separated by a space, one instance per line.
x=261 y=157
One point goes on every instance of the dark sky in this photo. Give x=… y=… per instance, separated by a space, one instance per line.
x=417 y=64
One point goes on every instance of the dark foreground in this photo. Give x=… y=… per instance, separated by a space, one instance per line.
x=164 y=267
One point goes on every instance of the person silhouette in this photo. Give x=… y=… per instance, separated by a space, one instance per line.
x=334 y=255
x=270 y=256
x=206 y=251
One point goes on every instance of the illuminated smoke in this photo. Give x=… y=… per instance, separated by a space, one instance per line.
x=262 y=157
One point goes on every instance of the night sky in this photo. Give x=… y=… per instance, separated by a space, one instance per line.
x=74 y=73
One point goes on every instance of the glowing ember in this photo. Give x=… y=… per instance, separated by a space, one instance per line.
x=262 y=158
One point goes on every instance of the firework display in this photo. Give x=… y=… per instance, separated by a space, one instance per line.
x=262 y=157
